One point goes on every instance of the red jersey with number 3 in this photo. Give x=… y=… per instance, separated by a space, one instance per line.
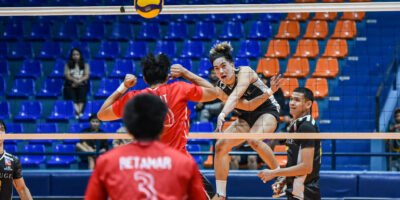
x=176 y=95
x=145 y=171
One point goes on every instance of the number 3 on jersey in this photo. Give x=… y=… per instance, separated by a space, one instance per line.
x=146 y=184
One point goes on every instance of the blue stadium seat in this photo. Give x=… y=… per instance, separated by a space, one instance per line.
x=39 y=31
x=176 y=31
x=122 y=67
x=29 y=111
x=33 y=160
x=46 y=128
x=240 y=17
x=215 y=17
x=136 y=50
x=58 y=69
x=187 y=18
x=108 y=19
x=30 y=69
x=15 y=128
x=62 y=160
x=232 y=30
x=191 y=106
x=51 y=88
x=10 y=148
x=204 y=67
x=2 y=86
x=78 y=127
x=62 y=111
x=260 y=30
x=92 y=106
x=5 y=110
x=23 y=88
x=166 y=47
x=98 y=68
x=192 y=49
x=20 y=50
x=94 y=31
x=202 y=127
x=121 y=31
x=149 y=31
x=272 y=17
x=3 y=51
x=108 y=50
x=140 y=85
x=205 y=30
x=107 y=87
x=110 y=127
x=241 y=61
x=50 y=50
x=185 y=62
x=13 y=31
x=249 y=49
x=195 y=148
x=130 y=19
x=67 y=31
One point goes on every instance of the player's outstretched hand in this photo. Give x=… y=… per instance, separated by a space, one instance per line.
x=177 y=70
x=130 y=80
x=276 y=82
x=220 y=122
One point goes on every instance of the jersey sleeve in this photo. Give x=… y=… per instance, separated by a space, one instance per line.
x=193 y=92
x=17 y=169
x=307 y=128
x=119 y=105
x=96 y=189
x=196 y=187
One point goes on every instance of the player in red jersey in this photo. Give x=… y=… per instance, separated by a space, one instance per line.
x=146 y=168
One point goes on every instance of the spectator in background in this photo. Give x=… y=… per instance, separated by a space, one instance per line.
x=76 y=73
x=394 y=145
x=209 y=110
x=250 y=161
x=119 y=142
x=92 y=145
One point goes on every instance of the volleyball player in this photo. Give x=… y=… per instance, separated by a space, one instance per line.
x=304 y=156
x=11 y=173
x=145 y=168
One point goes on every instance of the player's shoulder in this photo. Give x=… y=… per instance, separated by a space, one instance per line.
x=10 y=157
x=307 y=122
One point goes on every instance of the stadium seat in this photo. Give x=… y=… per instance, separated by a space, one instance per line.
x=195 y=148
x=98 y=68
x=176 y=31
x=185 y=62
x=260 y=30
x=278 y=49
x=51 y=88
x=108 y=50
x=62 y=111
x=78 y=127
x=62 y=160
x=5 y=110
x=288 y=30
x=326 y=68
x=202 y=127
x=3 y=53
x=306 y=1
x=107 y=87
x=336 y=48
x=204 y=30
x=288 y=85
x=107 y=19
x=317 y=29
x=357 y=16
x=241 y=17
x=327 y=16
x=67 y=31
x=166 y=47
x=121 y=32
x=58 y=69
x=47 y=128
x=23 y=88
x=33 y=160
x=297 y=68
x=15 y=128
x=214 y=18
x=249 y=49
x=270 y=17
x=39 y=31
x=185 y=18
x=319 y=86
x=333 y=1
x=136 y=50
x=50 y=50
x=2 y=86
x=192 y=49
x=268 y=67
x=10 y=148
x=20 y=50
x=149 y=31
x=302 y=17
x=315 y=110
x=345 y=29
x=92 y=106
x=204 y=67
x=93 y=32
x=29 y=111
x=13 y=31
x=110 y=127
x=241 y=61
x=282 y=159
x=122 y=67
x=140 y=84
x=307 y=48
x=232 y=30
x=30 y=69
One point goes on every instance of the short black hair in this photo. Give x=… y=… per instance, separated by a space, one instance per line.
x=397 y=111
x=93 y=116
x=222 y=49
x=144 y=116
x=155 y=68
x=308 y=94
x=4 y=125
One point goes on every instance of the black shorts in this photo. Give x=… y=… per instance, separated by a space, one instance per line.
x=252 y=117
x=77 y=94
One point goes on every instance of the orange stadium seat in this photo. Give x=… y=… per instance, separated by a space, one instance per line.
x=358 y=16
x=333 y=1
x=278 y=49
x=328 y=16
x=336 y=48
x=326 y=68
x=307 y=48
x=282 y=159
x=297 y=67
x=288 y=85
x=298 y=16
x=317 y=29
x=306 y=1
x=345 y=29
x=319 y=86
x=268 y=67
x=360 y=0
x=288 y=30
x=314 y=110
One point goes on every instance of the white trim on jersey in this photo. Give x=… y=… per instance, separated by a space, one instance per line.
x=298 y=182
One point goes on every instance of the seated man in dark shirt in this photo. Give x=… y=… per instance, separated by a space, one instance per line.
x=92 y=145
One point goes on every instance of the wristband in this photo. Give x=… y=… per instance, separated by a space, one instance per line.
x=122 y=88
x=270 y=92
